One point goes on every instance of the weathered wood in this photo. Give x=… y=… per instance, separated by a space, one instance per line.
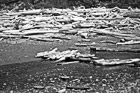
x=107 y=32
x=61 y=91
x=66 y=63
x=29 y=12
x=132 y=14
x=77 y=88
x=61 y=37
x=111 y=62
x=84 y=44
x=41 y=54
x=94 y=49
x=131 y=42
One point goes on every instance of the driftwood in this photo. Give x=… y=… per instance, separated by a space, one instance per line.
x=82 y=59
x=107 y=32
x=111 y=62
x=77 y=88
x=132 y=14
x=6 y=36
x=68 y=55
x=29 y=12
x=69 y=32
x=3 y=29
x=128 y=42
x=61 y=37
x=84 y=40
x=84 y=35
x=57 y=55
x=68 y=22
x=109 y=41
x=94 y=49
x=40 y=39
x=11 y=31
x=84 y=44
x=35 y=32
x=42 y=54
x=66 y=63
x=61 y=91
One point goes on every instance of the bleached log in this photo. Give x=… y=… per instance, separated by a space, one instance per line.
x=66 y=63
x=77 y=88
x=131 y=42
x=29 y=12
x=84 y=44
x=42 y=54
x=107 y=32
x=110 y=62
x=94 y=49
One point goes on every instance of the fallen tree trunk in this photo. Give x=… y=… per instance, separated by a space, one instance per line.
x=113 y=62
x=131 y=42
x=132 y=14
x=94 y=49
x=107 y=32
x=77 y=88
x=29 y=12
x=84 y=44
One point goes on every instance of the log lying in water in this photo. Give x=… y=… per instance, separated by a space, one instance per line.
x=94 y=49
x=111 y=62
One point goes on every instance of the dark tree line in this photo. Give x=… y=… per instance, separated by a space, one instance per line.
x=71 y=3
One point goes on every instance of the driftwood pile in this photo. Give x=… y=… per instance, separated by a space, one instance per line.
x=38 y=24
x=49 y=25
x=73 y=56
x=68 y=55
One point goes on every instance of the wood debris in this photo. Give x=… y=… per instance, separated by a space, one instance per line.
x=68 y=55
x=128 y=42
x=102 y=49
x=113 y=62
x=69 y=22
x=94 y=27
x=77 y=88
x=66 y=63
x=61 y=91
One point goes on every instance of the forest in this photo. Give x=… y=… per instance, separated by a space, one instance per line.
x=10 y=4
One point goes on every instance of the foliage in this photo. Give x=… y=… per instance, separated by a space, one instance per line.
x=68 y=3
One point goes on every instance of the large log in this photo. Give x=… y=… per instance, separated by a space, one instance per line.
x=95 y=49
x=113 y=62
x=29 y=12
x=115 y=34
x=132 y=14
x=107 y=32
x=131 y=42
